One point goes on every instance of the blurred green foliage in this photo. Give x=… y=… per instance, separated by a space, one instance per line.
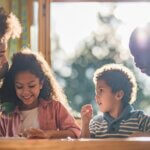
x=101 y=47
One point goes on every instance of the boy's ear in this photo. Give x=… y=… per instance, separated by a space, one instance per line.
x=119 y=95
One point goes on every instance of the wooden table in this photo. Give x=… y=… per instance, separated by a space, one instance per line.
x=141 y=143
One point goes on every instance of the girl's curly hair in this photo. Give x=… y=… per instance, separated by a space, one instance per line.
x=26 y=60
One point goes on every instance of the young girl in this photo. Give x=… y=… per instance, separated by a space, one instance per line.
x=32 y=99
x=9 y=28
x=115 y=92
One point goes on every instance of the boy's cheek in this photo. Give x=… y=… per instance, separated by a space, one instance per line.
x=97 y=101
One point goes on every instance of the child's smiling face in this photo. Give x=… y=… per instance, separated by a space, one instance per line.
x=28 y=87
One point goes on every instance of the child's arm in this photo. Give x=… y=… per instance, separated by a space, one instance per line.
x=140 y=134
x=144 y=126
x=50 y=134
x=86 y=116
x=58 y=120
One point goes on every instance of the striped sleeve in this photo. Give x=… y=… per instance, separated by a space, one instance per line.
x=144 y=122
x=92 y=128
x=94 y=125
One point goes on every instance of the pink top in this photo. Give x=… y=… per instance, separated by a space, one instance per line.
x=52 y=116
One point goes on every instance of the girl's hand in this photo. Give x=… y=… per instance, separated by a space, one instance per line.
x=86 y=114
x=34 y=133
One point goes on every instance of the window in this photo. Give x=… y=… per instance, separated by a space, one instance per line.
x=85 y=36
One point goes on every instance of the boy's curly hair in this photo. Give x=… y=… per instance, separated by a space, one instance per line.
x=118 y=77
x=10 y=26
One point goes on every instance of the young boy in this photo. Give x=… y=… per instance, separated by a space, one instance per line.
x=116 y=90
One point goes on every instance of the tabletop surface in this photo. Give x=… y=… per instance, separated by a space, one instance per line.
x=140 y=143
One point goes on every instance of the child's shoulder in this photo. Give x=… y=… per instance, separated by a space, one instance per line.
x=50 y=102
x=98 y=118
x=138 y=113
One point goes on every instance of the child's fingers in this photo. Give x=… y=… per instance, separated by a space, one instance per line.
x=34 y=133
x=29 y=131
x=87 y=107
x=86 y=110
x=84 y=113
x=87 y=114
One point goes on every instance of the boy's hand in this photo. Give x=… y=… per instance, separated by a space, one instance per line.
x=86 y=114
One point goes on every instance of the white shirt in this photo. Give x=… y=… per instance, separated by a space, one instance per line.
x=30 y=119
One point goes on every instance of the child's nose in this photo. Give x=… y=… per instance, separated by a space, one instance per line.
x=25 y=91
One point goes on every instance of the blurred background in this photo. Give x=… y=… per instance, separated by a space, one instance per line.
x=83 y=37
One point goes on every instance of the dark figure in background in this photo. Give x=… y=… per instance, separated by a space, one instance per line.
x=139 y=45
x=10 y=27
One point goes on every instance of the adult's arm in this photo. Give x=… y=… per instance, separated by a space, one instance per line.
x=3 y=65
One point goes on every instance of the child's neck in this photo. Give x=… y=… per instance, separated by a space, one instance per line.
x=24 y=107
x=116 y=112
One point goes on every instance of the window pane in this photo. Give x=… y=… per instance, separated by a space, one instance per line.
x=84 y=36
x=34 y=27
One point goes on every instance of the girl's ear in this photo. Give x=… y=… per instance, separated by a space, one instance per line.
x=119 y=95
x=41 y=84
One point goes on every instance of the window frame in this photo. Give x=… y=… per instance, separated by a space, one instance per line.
x=44 y=22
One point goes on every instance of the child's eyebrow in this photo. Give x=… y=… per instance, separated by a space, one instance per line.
x=100 y=86
x=22 y=83
x=17 y=82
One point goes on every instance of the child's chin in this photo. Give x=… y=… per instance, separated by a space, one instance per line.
x=101 y=110
x=28 y=102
